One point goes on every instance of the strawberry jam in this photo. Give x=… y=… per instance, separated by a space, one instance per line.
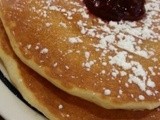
x=116 y=10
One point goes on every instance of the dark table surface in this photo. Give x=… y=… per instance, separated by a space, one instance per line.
x=1 y=118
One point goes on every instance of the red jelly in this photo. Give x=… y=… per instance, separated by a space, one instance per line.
x=117 y=10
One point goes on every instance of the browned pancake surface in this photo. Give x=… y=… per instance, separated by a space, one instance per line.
x=115 y=65
x=56 y=102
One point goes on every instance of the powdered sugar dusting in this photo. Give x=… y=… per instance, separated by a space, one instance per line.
x=75 y=40
x=44 y=51
x=119 y=49
x=107 y=92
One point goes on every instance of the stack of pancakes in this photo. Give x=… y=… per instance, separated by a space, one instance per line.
x=72 y=65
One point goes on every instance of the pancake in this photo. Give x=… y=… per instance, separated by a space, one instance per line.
x=113 y=64
x=54 y=103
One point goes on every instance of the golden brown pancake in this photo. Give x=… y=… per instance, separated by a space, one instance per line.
x=54 y=103
x=113 y=64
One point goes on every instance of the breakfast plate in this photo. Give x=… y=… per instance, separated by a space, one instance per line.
x=12 y=106
x=111 y=65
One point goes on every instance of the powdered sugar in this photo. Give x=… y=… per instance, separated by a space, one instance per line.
x=119 y=49
x=44 y=51
x=107 y=92
x=75 y=40
x=124 y=39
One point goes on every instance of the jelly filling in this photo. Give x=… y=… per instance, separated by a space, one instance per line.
x=116 y=10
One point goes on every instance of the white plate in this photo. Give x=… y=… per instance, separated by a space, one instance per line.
x=11 y=107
